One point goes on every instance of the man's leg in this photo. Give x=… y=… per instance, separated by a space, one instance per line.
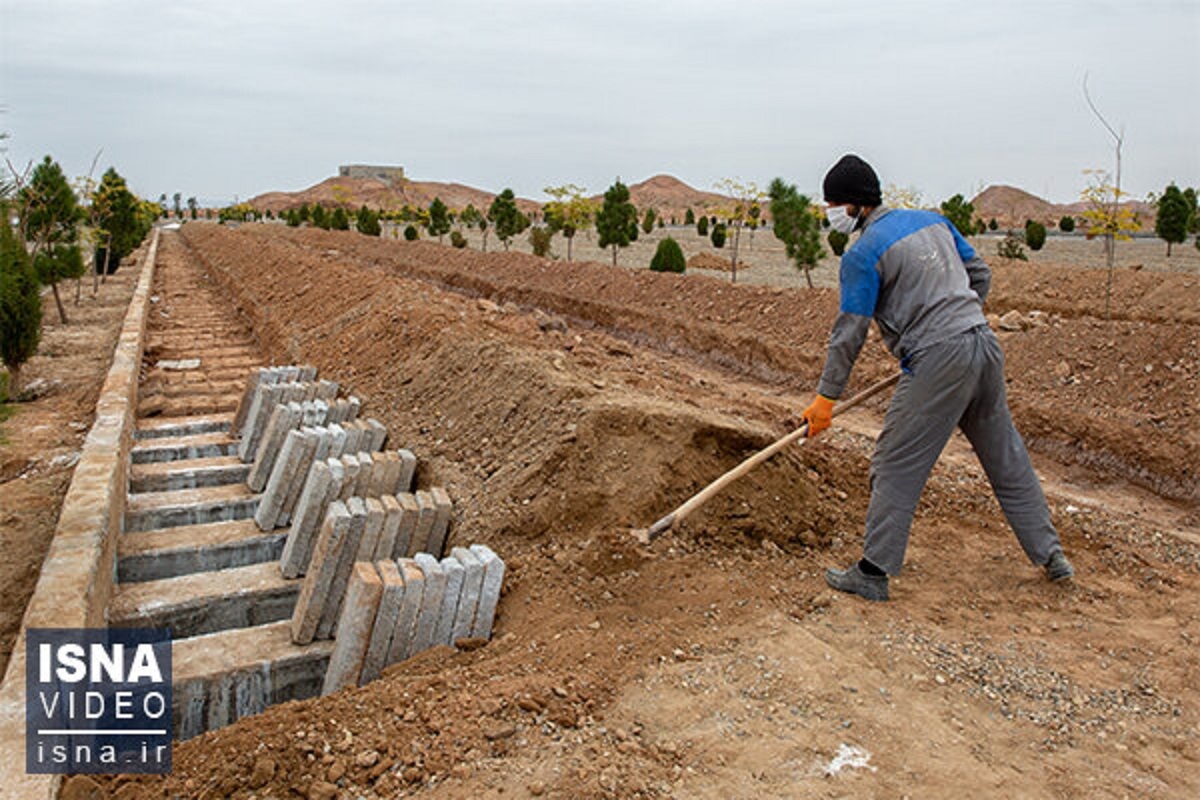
x=988 y=425
x=922 y=416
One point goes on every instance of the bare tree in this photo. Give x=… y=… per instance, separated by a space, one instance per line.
x=1110 y=234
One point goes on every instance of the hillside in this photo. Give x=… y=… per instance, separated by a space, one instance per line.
x=1011 y=206
x=671 y=197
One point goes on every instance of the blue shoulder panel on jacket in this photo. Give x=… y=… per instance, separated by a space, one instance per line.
x=860 y=280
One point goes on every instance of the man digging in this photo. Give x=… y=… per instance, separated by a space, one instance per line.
x=925 y=287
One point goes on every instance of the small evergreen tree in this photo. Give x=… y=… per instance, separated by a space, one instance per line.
x=318 y=217
x=1066 y=224
x=50 y=216
x=366 y=222
x=1174 y=214
x=339 y=220
x=838 y=242
x=795 y=226
x=1035 y=235
x=668 y=257
x=702 y=227
x=457 y=239
x=993 y=225
x=616 y=222
x=114 y=210
x=648 y=220
x=410 y=233
x=439 y=219
x=689 y=218
x=507 y=218
x=20 y=305
x=718 y=235
x=960 y=213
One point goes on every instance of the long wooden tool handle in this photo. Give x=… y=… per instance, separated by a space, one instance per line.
x=801 y=433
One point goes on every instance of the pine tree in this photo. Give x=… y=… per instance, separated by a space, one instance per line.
x=960 y=213
x=668 y=257
x=51 y=217
x=439 y=219
x=616 y=223
x=1174 y=212
x=507 y=218
x=648 y=220
x=20 y=304
x=796 y=226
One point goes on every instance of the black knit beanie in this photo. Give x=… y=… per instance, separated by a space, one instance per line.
x=851 y=180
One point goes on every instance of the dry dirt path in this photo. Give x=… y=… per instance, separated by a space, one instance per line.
x=40 y=443
x=714 y=664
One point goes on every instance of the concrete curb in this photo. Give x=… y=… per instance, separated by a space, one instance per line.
x=78 y=574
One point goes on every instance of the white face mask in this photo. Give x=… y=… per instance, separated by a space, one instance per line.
x=840 y=219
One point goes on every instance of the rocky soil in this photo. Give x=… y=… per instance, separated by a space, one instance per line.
x=565 y=405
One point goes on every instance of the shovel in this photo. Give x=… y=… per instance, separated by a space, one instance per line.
x=680 y=514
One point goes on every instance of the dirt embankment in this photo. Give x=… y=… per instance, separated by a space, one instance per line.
x=714 y=664
x=1120 y=395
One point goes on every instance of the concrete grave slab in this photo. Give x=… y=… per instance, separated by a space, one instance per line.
x=357 y=618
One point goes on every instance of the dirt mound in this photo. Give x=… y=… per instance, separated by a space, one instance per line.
x=713 y=663
x=713 y=261
x=780 y=335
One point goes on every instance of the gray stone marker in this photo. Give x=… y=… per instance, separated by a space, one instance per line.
x=351 y=466
x=431 y=602
x=489 y=595
x=455 y=573
x=408 y=469
x=410 y=609
x=315 y=588
x=258 y=377
x=266 y=397
x=316 y=413
x=468 y=602
x=443 y=509
x=305 y=458
x=366 y=467
x=286 y=471
x=353 y=437
x=359 y=610
x=327 y=627
x=320 y=489
x=385 y=474
x=425 y=517
x=386 y=620
x=409 y=511
x=337 y=440
x=372 y=531
x=392 y=514
x=377 y=433
x=284 y=418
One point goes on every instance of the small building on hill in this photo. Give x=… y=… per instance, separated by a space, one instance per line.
x=388 y=175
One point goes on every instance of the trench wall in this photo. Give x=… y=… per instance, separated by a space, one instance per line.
x=77 y=577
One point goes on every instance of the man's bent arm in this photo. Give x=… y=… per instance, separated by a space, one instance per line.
x=845 y=341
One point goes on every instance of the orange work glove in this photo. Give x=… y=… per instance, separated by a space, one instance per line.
x=819 y=415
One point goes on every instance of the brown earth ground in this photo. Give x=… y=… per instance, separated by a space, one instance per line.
x=41 y=440
x=564 y=405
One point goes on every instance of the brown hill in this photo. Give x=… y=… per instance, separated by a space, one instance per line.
x=1010 y=207
x=356 y=192
x=671 y=197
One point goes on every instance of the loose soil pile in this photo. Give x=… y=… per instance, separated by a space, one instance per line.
x=562 y=404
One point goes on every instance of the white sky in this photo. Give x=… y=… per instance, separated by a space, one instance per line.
x=221 y=99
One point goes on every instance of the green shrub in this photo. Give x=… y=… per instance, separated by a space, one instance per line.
x=702 y=227
x=718 y=235
x=457 y=240
x=1035 y=235
x=410 y=233
x=838 y=242
x=1066 y=224
x=689 y=218
x=20 y=304
x=539 y=240
x=668 y=257
x=1011 y=247
x=992 y=224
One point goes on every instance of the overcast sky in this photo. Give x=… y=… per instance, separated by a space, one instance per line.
x=221 y=99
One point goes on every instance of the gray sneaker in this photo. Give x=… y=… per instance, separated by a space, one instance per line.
x=855 y=581
x=1058 y=568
